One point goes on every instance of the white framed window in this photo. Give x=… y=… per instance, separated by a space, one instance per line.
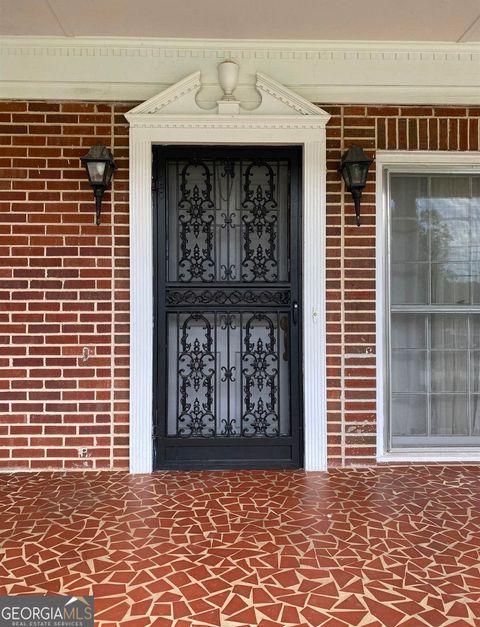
x=428 y=306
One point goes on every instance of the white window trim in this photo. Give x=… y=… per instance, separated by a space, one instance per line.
x=406 y=162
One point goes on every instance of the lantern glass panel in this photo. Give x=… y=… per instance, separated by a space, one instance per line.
x=96 y=172
x=346 y=176
x=108 y=173
x=358 y=174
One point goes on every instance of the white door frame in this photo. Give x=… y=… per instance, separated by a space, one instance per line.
x=283 y=118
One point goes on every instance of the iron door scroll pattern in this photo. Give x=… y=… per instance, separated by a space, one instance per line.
x=259 y=226
x=225 y=291
x=260 y=370
x=196 y=368
x=195 y=217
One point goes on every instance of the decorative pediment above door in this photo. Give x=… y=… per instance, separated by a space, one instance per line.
x=181 y=100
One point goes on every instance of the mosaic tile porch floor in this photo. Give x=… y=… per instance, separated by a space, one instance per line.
x=379 y=546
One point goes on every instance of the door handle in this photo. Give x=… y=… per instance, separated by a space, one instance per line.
x=284 y=327
x=295 y=313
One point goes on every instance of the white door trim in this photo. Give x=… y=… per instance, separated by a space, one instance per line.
x=283 y=118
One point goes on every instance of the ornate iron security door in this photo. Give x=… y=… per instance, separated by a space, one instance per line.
x=227 y=313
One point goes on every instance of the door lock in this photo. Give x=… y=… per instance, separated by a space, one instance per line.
x=295 y=313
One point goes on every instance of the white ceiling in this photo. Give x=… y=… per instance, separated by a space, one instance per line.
x=356 y=20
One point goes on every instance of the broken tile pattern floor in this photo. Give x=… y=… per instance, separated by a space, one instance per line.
x=395 y=545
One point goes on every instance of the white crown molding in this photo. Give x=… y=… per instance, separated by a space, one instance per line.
x=226 y=46
x=328 y=71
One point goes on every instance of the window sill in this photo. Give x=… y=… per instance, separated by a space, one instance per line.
x=440 y=454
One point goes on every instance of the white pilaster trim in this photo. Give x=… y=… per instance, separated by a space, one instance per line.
x=150 y=127
x=314 y=310
x=141 y=308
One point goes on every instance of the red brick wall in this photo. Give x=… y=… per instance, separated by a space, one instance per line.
x=351 y=258
x=64 y=286
x=64 y=281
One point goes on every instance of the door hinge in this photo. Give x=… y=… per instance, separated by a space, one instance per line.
x=155 y=431
x=154 y=184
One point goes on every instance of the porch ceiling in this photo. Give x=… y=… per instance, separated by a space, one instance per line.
x=446 y=21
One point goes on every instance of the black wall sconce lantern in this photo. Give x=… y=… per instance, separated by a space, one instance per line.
x=99 y=165
x=354 y=169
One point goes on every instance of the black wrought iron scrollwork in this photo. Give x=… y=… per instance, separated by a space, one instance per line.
x=228 y=272
x=228 y=374
x=228 y=321
x=228 y=297
x=227 y=231
x=228 y=221
x=259 y=218
x=196 y=224
x=196 y=370
x=260 y=375
x=228 y=427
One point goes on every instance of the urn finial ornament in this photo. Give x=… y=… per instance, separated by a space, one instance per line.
x=228 y=78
